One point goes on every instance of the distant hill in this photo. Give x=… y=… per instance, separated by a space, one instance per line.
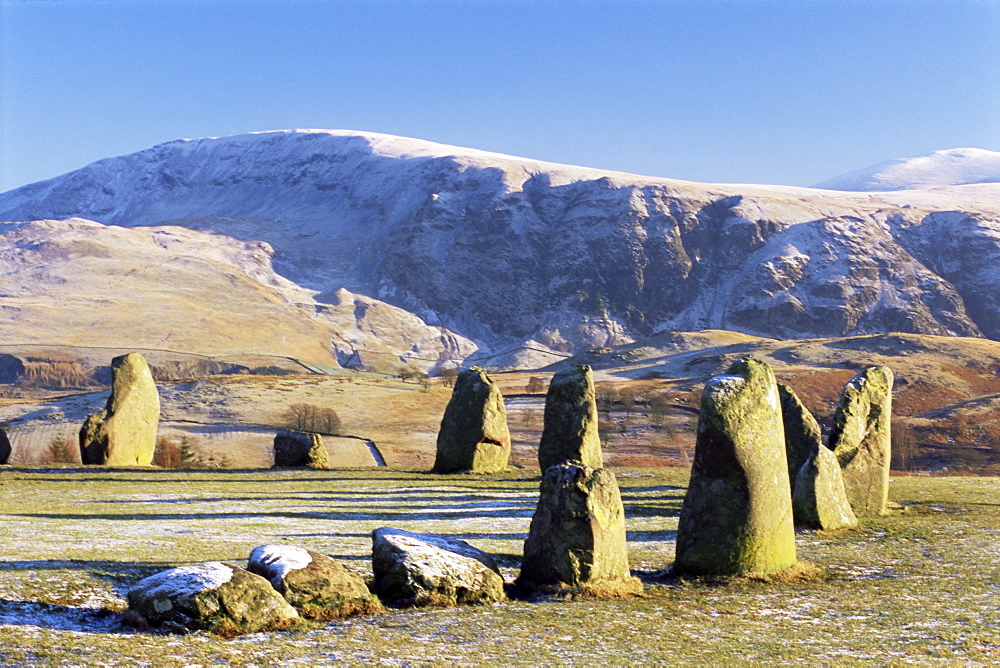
x=954 y=167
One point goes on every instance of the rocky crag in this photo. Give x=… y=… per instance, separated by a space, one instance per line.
x=579 y=258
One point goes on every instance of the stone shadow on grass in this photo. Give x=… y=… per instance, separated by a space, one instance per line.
x=60 y=617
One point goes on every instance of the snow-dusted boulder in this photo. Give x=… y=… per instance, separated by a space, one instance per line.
x=423 y=569
x=215 y=597
x=313 y=583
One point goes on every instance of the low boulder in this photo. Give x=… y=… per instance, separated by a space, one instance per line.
x=300 y=448
x=413 y=569
x=569 y=431
x=5 y=448
x=736 y=518
x=860 y=437
x=474 y=436
x=214 y=597
x=819 y=499
x=577 y=535
x=124 y=433
x=313 y=583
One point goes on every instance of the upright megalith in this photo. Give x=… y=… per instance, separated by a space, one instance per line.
x=124 y=433
x=819 y=500
x=860 y=437
x=300 y=448
x=473 y=435
x=737 y=513
x=570 y=428
x=803 y=436
x=577 y=534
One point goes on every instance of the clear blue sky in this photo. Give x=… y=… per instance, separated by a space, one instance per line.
x=753 y=91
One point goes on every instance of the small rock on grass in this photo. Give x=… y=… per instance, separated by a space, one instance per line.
x=214 y=597
x=413 y=569
x=316 y=585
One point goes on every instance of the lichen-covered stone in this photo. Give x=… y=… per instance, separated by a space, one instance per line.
x=413 y=569
x=819 y=500
x=124 y=433
x=474 y=435
x=300 y=448
x=577 y=534
x=214 y=597
x=313 y=583
x=860 y=437
x=5 y=448
x=803 y=436
x=737 y=514
x=570 y=427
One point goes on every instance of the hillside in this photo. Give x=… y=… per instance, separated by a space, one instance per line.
x=518 y=255
x=954 y=167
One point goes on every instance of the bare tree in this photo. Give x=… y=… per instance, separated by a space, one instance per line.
x=535 y=385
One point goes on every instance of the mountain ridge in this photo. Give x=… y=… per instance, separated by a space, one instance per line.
x=509 y=252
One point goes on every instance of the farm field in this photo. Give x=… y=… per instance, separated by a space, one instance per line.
x=920 y=585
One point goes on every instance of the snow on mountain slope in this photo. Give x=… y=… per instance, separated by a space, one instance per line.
x=80 y=283
x=959 y=166
x=517 y=254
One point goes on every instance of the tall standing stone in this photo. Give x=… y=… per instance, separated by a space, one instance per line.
x=819 y=499
x=570 y=428
x=737 y=513
x=124 y=433
x=473 y=435
x=803 y=436
x=860 y=437
x=577 y=534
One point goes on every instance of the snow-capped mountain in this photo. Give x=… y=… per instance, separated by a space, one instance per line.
x=512 y=252
x=954 y=167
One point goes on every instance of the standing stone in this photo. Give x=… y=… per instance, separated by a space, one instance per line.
x=803 y=436
x=737 y=514
x=577 y=534
x=473 y=435
x=860 y=437
x=415 y=569
x=5 y=448
x=213 y=597
x=570 y=428
x=819 y=500
x=313 y=583
x=124 y=433
x=300 y=448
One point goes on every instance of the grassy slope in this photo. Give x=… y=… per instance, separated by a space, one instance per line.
x=919 y=585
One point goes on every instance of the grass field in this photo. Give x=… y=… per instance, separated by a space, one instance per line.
x=918 y=586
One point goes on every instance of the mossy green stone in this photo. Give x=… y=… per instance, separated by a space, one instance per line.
x=819 y=499
x=570 y=427
x=577 y=534
x=300 y=448
x=737 y=514
x=803 y=436
x=861 y=439
x=124 y=433
x=474 y=435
